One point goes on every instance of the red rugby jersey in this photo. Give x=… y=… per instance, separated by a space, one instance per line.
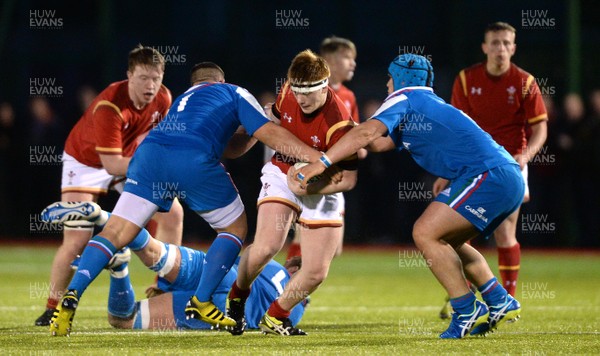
x=348 y=98
x=501 y=105
x=112 y=124
x=320 y=130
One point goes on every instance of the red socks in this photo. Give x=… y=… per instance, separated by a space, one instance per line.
x=237 y=293
x=51 y=303
x=293 y=251
x=276 y=311
x=509 y=261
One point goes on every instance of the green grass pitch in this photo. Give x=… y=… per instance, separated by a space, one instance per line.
x=373 y=302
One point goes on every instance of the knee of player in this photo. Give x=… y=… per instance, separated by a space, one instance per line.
x=421 y=234
x=317 y=276
x=119 y=323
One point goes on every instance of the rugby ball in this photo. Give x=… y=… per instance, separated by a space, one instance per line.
x=299 y=165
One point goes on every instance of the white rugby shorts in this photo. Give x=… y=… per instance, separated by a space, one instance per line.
x=313 y=211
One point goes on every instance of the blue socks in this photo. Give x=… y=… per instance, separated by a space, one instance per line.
x=95 y=256
x=219 y=258
x=463 y=304
x=492 y=292
x=121 y=298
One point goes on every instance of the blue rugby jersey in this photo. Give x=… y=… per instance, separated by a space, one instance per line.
x=441 y=139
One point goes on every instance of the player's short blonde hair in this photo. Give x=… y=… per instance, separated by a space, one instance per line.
x=333 y=44
x=308 y=71
x=499 y=26
x=145 y=56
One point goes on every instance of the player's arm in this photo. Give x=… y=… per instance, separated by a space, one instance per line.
x=459 y=97
x=539 y=132
x=282 y=140
x=357 y=138
x=115 y=164
x=108 y=123
x=239 y=144
x=381 y=144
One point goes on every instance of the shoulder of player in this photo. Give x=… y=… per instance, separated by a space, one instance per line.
x=477 y=68
x=516 y=69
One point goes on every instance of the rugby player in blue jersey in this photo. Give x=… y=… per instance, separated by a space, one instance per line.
x=180 y=158
x=178 y=270
x=485 y=187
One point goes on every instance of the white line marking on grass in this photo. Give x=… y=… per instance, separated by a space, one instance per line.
x=354 y=308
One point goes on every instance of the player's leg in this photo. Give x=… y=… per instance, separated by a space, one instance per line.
x=76 y=235
x=294 y=248
x=273 y=223
x=509 y=249
x=169 y=227
x=319 y=246
x=121 y=297
x=437 y=232
x=130 y=213
x=509 y=252
x=502 y=306
x=155 y=313
x=231 y=226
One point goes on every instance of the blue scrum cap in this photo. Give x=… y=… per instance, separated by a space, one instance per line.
x=409 y=70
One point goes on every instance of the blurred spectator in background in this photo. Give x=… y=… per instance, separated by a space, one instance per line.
x=46 y=134
x=86 y=94
x=45 y=127
x=7 y=163
x=572 y=159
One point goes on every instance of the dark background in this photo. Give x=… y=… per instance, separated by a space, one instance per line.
x=89 y=47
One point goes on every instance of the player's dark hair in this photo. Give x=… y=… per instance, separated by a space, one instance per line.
x=333 y=44
x=295 y=261
x=499 y=26
x=204 y=71
x=145 y=56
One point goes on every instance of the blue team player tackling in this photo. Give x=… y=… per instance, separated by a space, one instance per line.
x=180 y=158
x=485 y=187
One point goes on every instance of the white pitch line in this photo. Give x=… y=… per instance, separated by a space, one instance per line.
x=356 y=308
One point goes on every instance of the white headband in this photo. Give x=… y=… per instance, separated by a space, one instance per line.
x=309 y=87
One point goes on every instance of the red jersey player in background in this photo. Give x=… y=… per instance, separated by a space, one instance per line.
x=312 y=111
x=340 y=54
x=97 y=153
x=504 y=100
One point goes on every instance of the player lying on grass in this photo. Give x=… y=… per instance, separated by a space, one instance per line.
x=485 y=187
x=185 y=163
x=179 y=270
